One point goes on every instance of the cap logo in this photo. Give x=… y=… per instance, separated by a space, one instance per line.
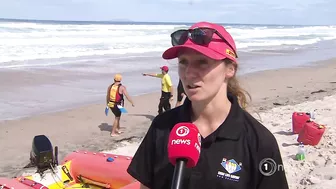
x=230 y=53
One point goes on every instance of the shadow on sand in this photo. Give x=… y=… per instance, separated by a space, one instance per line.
x=293 y=144
x=150 y=117
x=105 y=127
x=286 y=133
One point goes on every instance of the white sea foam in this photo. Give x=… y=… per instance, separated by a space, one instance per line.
x=29 y=41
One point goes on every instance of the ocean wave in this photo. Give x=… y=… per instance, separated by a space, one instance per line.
x=29 y=41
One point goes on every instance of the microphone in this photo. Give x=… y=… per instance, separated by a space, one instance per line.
x=184 y=148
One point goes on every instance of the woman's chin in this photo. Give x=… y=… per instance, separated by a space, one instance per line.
x=195 y=97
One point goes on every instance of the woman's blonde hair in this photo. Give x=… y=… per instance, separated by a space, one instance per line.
x=235 y=88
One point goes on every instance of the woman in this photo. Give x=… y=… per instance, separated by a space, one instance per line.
x=237 y=151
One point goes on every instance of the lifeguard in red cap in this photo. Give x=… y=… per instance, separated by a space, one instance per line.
x=166 y=88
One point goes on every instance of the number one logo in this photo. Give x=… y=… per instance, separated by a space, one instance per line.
x=182 y=131
x=266 y=166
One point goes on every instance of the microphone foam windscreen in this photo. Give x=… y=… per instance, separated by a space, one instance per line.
x=184 y=143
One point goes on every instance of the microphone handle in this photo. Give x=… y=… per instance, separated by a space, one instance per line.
x=178 y=174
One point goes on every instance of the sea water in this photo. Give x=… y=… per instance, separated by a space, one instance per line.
x=52 y=65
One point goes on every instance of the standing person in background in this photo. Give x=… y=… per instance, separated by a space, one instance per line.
x=166 y=89
x=180 y=94
x=114 y=97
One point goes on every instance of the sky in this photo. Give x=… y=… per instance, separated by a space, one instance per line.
x=306 y=12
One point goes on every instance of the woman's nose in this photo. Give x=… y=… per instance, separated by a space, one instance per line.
x=191 y=71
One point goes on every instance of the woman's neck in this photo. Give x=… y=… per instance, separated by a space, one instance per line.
x=208 y=116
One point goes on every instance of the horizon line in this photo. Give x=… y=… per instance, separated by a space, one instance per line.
x=124 y=21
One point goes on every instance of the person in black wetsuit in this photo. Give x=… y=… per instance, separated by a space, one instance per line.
x=180 y=94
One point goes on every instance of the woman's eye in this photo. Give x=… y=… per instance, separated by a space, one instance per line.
x=182 y=62
x=203 y=62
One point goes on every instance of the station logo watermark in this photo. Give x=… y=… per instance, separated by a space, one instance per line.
x=268 y=167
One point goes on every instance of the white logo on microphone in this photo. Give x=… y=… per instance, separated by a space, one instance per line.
x=182 y=131
x=199 y=139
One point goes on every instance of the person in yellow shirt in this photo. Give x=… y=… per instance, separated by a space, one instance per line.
x=166 y=89
x=114 y=97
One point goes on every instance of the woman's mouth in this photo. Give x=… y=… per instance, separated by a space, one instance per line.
x=193 y=86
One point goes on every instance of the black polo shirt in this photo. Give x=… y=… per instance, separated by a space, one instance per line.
x=231 y=157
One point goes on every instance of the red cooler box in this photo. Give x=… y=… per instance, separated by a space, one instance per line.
x=311 y=133
x=298 y=121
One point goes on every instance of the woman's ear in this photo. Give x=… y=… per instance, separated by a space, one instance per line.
x=230 y=71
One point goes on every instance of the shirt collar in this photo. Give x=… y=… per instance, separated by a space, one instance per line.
x=232 y=126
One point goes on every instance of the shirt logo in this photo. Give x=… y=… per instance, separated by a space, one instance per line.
x=231 y=167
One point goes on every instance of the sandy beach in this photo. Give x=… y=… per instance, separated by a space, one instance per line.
x=276 y=94
x=319 y=167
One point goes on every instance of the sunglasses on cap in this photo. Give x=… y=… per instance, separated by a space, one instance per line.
x=200 y=36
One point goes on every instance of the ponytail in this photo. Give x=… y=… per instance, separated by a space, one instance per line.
x=235 y=89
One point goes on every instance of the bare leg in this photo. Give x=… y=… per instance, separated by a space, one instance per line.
x=115 y=126
x=118 y=126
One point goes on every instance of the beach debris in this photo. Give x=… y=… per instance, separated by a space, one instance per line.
x=319 y=91
x=277 y=104
x=328 y=162
x=305 y=181
x=301 y=152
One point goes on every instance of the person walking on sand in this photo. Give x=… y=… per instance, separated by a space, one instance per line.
x=114 y=97
x=180 y=94
x=166 y=89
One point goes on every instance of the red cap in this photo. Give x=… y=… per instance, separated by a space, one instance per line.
x=184 y=142
x=164 y=68
x=216 y=50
